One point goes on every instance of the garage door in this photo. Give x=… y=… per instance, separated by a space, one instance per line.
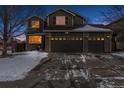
x=66 y=45
x=96 y=46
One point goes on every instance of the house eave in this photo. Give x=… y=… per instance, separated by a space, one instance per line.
x=89 y=31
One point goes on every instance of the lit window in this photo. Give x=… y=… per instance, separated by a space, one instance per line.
x=60 y=20
x=81 y=38
x=56 y=38
x=102 y=38
x=52 y=38
x=60 y=38
x=64 y=38
x=77 y=39
x=72 y=38
x=35 y=24
x=98 y=38
x=35 y=39
x=89 y=38
x=94 y=38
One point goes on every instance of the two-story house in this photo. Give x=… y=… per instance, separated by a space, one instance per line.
x=67 y=31
x=35 y=37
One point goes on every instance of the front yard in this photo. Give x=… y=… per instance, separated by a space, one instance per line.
x=77 y=70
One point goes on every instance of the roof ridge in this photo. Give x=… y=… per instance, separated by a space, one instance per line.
x=63 y=10
x=35 y=16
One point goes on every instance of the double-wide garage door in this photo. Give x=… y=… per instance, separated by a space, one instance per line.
x=76 y=46
x=66 y=45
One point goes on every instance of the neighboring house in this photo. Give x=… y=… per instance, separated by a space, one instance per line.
x=35 y=36
x=16 y=46
x=67 y=31
x=118 y=36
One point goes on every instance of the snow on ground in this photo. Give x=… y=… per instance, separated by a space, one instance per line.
x=17 y=67
x=83 y=57
x=120 y=54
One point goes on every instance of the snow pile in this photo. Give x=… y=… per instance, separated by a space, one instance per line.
x=110 y=78
x=75 y=74
x=120 y=54
x=17 y=67
x=83 y=57
x=106 y=84
x=106 y=57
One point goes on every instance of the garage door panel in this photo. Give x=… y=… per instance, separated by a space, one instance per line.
x=66 y=46
x=96 y=46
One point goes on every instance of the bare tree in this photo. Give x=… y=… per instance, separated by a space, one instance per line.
x=112 y=14
x=12 y=21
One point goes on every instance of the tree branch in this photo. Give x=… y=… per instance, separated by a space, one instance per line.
x=19 y=34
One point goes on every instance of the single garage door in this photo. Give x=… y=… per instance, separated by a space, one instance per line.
x=66 y=45
x=96 y=46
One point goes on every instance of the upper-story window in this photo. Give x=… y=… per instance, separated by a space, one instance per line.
x=35 y=24
x=60 y=20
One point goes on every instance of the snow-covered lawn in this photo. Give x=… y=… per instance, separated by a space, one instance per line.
x=16 y=67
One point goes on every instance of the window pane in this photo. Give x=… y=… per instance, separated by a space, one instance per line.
x=98 y=38
x=52 y=38
x=56 y=38
x=60 y=38
x=94 y=38
x=77 y=38
x=64 y=38
x=81 y=38
x=35 y=24
x=72 y=38
x=60 y=20
x=102 y=38
x=35 y=39
x=89 y=38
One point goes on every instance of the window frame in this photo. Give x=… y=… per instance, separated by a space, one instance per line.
x=35 y=23
x=59 y=22
x=31 y=41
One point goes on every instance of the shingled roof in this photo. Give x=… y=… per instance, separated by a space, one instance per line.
x=89 y=28
x=85 y=28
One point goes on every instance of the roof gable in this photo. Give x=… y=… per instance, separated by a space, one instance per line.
x=65 y=10
x=34 y=17
x=76 y=14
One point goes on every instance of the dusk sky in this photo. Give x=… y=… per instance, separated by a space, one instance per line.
x=92 y=12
